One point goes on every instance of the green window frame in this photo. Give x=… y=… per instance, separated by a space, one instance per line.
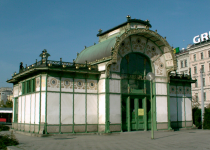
x=28 y=86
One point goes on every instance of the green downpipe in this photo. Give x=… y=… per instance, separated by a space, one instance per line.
x=45 y=128
x=73 y=109
x=169 y=112
x=60 y=108
x=107 y=122
x=40 y=88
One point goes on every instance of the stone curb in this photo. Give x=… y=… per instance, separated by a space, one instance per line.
x=13 y=148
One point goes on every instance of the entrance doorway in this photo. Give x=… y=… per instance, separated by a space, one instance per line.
x=136 y=113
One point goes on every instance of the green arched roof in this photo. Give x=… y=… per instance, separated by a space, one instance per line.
x=98 y=51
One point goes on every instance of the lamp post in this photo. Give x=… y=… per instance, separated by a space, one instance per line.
x=150 y=76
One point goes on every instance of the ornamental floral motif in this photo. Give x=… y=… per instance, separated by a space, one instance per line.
x=187 y=90
x=173 y=89
x=67 y=83
x=91 y=85
x=79 y=84
x=180 y=90
x=53 y=82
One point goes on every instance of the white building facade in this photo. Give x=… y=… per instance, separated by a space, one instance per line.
x=105 y=88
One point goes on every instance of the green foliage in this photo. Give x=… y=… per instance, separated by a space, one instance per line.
x=197 y=117
x=8 y=104
x=8 y=140
x=4 y=128
x=206 y=124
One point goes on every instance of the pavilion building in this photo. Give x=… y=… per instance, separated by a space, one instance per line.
x=105 y=89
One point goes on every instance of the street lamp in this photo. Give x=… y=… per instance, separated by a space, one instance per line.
x=150 y=76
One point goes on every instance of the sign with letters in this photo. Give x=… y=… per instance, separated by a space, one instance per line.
x=203 y=37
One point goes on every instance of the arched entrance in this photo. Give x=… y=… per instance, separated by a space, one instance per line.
x=135 y=92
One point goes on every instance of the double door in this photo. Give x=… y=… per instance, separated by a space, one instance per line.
x=135 y=113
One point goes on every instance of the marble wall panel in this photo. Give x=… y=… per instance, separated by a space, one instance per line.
x=101 y=86
x=27 y=108
x=92 y=109
x=102 y=66
x=23 y=109
x=188 y=109
x=101 y=109
x=114 y=86
x=43 y=96
x=19 y=109
x=160 y=65
x=161 y=88
x=115 y=108
x=37 y=108
x=161 y=109
x=66 y=108
x=138 y=43
x=32 y=108
x=52 y=108
x=152 y=51
x=79 y=108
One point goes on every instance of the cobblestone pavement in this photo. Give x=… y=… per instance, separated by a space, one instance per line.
x=184 y=139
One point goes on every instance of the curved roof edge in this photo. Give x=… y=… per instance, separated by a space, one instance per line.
x=129 y=21
x=98 y=51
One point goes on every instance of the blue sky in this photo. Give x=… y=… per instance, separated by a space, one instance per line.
x=64 y=27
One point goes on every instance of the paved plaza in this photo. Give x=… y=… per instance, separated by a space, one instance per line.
x=184 y=139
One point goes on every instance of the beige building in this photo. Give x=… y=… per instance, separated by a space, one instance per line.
x=183 y=62
x=199 y=55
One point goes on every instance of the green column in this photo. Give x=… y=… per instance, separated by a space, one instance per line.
x=107 y=122
x=128 y=113
x=136 y=102
x=168 y=101
x=14 y=112
x=145 y=113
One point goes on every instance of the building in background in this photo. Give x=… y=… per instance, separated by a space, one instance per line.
x=4 y=93
x=183 y=61
x=200 y=61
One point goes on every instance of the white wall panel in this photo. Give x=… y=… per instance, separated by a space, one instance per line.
x=66 y=108
x=19 y=110
x=43 y=95
x=15 y=91
x=181 y=109
x=23 y=109
x=161 y=109
x=188 y=109
x=173 y=109
x=91 y=109
x=53 y=84
x=52 y=108
x=27 y=108
x=115 y=108
x=101 y=86
x=32 y=108
x=114 y=86
x=79 y=85
x=79 y=108
x=37 y=108
x=66 y=85
x=102 y=109
x=161 y=89
x=43 y=82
